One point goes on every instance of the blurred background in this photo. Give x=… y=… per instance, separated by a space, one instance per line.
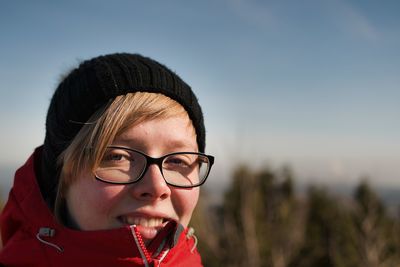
x=301 y=100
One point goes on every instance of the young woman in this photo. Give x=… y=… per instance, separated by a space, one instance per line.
x=118 y=176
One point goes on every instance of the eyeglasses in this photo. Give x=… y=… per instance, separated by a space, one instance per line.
x=122 y=165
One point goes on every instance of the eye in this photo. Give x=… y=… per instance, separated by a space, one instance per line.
x=178 y=161
x=175 y=161
x=116 y=155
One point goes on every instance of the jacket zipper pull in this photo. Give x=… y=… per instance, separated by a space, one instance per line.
x=48 y=232
x=190 y=234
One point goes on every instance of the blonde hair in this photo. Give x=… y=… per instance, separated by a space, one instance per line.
x=125 y=111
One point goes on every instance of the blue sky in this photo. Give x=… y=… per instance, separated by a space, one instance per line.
x=315 y=84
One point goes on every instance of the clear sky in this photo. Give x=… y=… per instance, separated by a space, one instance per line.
x=315 y=84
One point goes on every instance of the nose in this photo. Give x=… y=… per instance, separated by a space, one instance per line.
x=152 y=186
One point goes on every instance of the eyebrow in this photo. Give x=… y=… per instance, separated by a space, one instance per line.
x=181 y=145
x=175 y=144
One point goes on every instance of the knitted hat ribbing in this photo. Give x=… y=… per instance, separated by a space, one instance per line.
x=91 y=86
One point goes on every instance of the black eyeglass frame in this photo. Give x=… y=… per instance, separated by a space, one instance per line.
x=158 y=162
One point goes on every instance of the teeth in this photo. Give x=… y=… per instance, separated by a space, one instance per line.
x=146 y=222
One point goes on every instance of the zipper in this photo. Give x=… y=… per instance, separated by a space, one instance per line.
x=144 y=253
x=140 y=245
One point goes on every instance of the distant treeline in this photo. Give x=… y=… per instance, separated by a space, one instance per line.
x=262 y=221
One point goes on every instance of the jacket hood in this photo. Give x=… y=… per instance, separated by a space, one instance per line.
x=29 y=227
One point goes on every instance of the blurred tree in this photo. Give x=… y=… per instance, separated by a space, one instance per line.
x=261 y=226
x=207 y=229
x=239 y=240
x=329 y=234
x=377 y=232
x=280 y=225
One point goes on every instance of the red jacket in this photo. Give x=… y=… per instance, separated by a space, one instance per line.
x=32 y=237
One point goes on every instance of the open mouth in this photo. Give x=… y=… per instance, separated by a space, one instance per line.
x=143 y=221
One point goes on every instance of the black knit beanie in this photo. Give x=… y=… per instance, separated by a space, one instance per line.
x=91 y=86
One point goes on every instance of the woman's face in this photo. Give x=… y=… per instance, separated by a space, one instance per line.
x=149 y=203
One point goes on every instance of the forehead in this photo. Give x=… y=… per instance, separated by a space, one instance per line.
x=169 y=134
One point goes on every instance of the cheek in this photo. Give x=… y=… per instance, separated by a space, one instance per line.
x=184 y=202
x=91 y=204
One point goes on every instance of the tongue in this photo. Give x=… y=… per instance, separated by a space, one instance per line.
x=147 y=233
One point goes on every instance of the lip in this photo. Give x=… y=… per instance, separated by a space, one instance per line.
x=145 y=215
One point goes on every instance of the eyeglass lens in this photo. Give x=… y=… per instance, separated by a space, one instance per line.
x=120 y=165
